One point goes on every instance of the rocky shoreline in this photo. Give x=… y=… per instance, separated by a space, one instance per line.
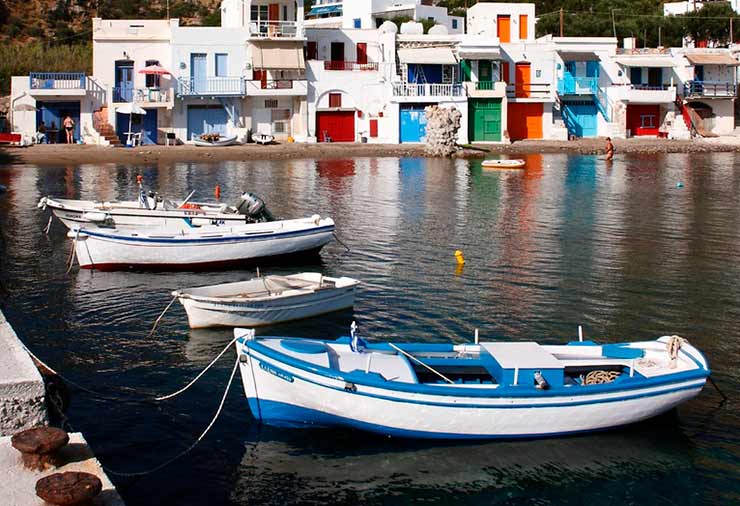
x=59 y=154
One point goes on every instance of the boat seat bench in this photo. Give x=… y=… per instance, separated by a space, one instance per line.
x=517 y=363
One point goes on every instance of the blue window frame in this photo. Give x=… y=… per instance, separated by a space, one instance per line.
x=454 y=24
x=358 y=23
x=222 y=65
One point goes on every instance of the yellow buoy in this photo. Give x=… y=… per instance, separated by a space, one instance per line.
x=459 y=256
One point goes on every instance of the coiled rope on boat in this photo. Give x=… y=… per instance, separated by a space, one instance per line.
x=600 y=377
x=674 y=346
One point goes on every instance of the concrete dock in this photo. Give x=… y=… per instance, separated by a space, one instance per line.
x=22 y=406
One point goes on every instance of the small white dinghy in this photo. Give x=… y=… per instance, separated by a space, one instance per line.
x=266 y=300
x=503 y=164
x=263 y=139
x=476 y=390
x=214 y=140
x=199 y=247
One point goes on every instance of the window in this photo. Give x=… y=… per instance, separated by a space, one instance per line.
x=222 y=65
x=285 y=13
x=523 y=27
x=335 y=100
x=152 y=81
x=279 y=127
x=358 y=23
x=647 y=121
x=503 y=28
x=259 y=13
x=271 y=103
x=454 y=24
x=636 y=75
x=430 y=18
x=311 y=50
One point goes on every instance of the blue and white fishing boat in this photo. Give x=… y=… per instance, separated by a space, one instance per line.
x=476 y=391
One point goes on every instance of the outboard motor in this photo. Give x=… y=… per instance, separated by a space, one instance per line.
x=254 y=208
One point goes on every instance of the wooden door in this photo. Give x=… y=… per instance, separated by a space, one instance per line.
x=523 y=20
x=337 y=51
x=503 y=28
x=505 y=69
x=273 y=14
x=522 y=80
x=362 y=53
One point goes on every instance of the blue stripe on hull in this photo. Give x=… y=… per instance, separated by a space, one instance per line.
x=282 y=415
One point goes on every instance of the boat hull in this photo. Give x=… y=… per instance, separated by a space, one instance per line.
x=110 y=251
x=205 y=313
x=283 y=395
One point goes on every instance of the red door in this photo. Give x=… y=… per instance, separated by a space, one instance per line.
x=362 y=53
x=273 y=12
x=339 y=126
x=522 y=79
x=643 y=119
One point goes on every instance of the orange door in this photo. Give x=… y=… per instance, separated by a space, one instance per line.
x=505 y=72
x=503 y=28
x=523 y=27
x=273 y=14
x=524 y=120
x=522 y=79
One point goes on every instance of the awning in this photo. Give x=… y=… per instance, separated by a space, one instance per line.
x=476 y=53
x=427 y=55
x=325 y=9
x=278 y=55
x=578 y=56
x=712 y=59
x=646 y=61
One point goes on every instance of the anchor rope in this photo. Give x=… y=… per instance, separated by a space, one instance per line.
x=156 y=322
x=194 y=444
x=71 y=259
x=48 y=225
x=340 y=241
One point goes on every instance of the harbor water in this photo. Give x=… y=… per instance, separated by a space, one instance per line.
x=648 y=245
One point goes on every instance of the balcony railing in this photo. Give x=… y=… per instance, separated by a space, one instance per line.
x=57 y=80
x=271 y=29
x=131 y=94
x=570 y=85
x=349 y=65
x=427 y=90
x=123 y=94
x=528 y=90
x=709 y=89
x=210 y=86
x=651 y=87
x=485 y=85
x=280 y=84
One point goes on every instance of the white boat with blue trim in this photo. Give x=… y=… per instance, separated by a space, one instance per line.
x=266 y=300
x=199 y=247
x=475 y=391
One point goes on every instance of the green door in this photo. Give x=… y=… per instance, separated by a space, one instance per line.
x=485 y=120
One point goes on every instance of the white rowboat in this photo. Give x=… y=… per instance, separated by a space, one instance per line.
x=200 y=247
x=503 y=164
x=222 y=141
x=475 y=391
x=266 y=300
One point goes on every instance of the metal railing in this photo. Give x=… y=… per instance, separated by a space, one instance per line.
x=485 y=85
x=123 y=94
x=279 y=84
x=210 y=86
x=709 y=89
x=651 y=87
x=528 y=90
x=604 y=104
x=273 y=29
x=349 y=65
x=56 y=80
x=577 y=85
x=427 y=90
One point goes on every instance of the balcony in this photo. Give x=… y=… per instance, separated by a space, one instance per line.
x=533 y=92
x=349 y=65
x=408 y=90
x=274 y=29
x=210 y=87
x=148 y=97
x=277 y=88
x=486 y=89
x=650 y=94
x=578 y=86
x=57 y=83
x=709 y=89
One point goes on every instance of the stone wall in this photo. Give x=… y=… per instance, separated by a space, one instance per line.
x=21 y=387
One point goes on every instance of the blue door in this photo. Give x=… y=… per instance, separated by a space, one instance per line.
x=206 y=119
x=569 y=78
x=198 y=72
x=123 y=90
x=581 y=118
x=146 y=125
x=413 y=124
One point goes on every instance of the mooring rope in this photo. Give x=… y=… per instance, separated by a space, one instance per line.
x=71 y=259
x=195 y=443
x=340 y=241
x=156 y=322
x=48 y=225
x=600 y=377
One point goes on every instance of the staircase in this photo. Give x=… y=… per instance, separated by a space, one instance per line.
x=106 y=133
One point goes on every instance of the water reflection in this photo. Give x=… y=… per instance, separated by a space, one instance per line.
x=339 y=467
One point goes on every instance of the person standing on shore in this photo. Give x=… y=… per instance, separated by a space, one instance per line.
x=609 y=149
x=69 y=127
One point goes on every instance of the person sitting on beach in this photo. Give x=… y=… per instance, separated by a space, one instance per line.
x=69 y=128
x=609 y=149
x=41 y=134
